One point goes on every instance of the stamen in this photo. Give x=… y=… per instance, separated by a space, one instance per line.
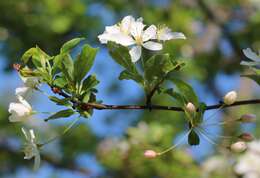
x=175 y=145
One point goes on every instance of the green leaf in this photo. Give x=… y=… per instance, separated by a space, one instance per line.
x=120 y=55
x=156 y=69
x=58 y=101
x=193 y=138
x=127 y=75
x=254 y=77
x=89 y=83
x=177 y=96
x=28 y=54
x=68 y=46
x=84 y=62
x=186 y=90
x=60 y=82
x=57 y=63
x=68 y=68
x=61 y=114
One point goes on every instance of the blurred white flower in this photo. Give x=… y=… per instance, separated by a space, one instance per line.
x=249 y=164
x=30 y=83
x=20 y=111
x=214 y=164
x=30 y=147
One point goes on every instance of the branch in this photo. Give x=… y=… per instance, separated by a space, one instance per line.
x=97 y=106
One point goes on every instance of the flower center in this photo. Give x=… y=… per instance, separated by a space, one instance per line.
x=139 y=40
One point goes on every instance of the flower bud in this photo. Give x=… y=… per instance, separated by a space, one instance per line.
x=230 y=98
x=238 y=147
x=247 y=137
x=190 y=107
x=150 y=154
x=247 y=118
x=17 y=67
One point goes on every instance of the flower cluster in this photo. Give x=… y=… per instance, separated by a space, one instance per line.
x=21 y=111
x=135 y=34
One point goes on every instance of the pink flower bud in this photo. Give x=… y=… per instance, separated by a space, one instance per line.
x=230 y=98
x=247 y=137
x=238 y=147
x=247 y=118
x=150 y=154
x=190 y=108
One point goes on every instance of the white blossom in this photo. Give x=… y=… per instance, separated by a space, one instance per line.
x=20 y=111
x=135 y=34
x=31 y=148
x=118 y=33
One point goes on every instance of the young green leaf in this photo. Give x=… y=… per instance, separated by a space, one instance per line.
x=61 y=114
x=157 y=68
x=68 y=46
x=89 y=83
x=84 y=62
x=68 y=68
x=58 y=101
x=28 y=54
x=193 y=138
x=60 y=82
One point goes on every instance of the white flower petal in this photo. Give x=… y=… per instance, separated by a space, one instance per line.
x=24 y=102
x=137 y=29
x=178 y=35
x=126 y=24
x=251 y=55
x=124 y=40
x=23 y=91
x=135 y=53
x=154 y=46
x=119 y=38
x=112 y=29
x=149 y=33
